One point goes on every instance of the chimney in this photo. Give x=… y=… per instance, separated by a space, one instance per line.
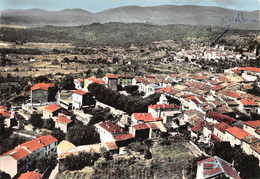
x=114 y=130
x=39 y=141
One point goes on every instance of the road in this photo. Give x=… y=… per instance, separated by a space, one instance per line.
x=193 y=150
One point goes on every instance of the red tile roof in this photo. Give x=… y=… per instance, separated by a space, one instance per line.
x=4 y=113
x=31 y=175
x=164 y=106
x=248 y=102
x=222 y=126
x=223 y=79
x=254 y=69
x=43 y=86
x=3 y=107
x=214 y=171
x=237 y=132
x=211 y=159
x=236 y=71
x=52 y=108
x=141 y=126
x=158 y=118
x=80 y=92
x=198 y=127
x=215 y=166
x=153 y=126
x=111 y=76
x=149 y=76
x=120 y=137
x=193 y=99
x=145 y=117
x=233 y=94
x=63 y=120
x=167 y=89
x=39 y=142
x=111 y=146
x=80 y=80
x=111 y=127
x=220 y=117
x=215 y=137
x=125 y=76
x=17 y=154
x=64 y=155
x=32 y=145
x=254 y=124
x=229 y=169
x=217 y=87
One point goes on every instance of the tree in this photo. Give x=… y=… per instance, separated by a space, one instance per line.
x=81 y=134
x=67 y=83
x=147 y=154
x=4 y=175
x=49 y=124
x=36 y=121
x=58 y=134
x=46 y=161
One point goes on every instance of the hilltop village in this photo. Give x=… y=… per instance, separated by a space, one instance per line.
x=194 y=112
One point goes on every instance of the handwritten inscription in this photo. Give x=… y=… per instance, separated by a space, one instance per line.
x=238 y=19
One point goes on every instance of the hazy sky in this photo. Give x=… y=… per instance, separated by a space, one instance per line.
x=99 y=5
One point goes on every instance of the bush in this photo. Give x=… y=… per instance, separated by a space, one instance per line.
x=147 y=154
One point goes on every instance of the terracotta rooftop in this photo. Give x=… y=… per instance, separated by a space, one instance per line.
x=248 y=102
x=17 y=154
x=4 y=113
x=220 y=117
x=222 y=126
x=31 y=175
x=236 y=71
x=64 y=155
x=215 y=166
x=217 y=87
x=215 y=137
x=111 y=146
x=145 y=117
x=125 y=136
x=52 y=108
x=233 y=94
x=80 y=80
x=3 y=107
x=39 y=142
x=254 y=69
x=198 y=127
x=63 y=120
x=237 y=132
x=223 y=79
x=153 y=126
x=253 y=124
x=42 y=86
x=111 y=76
x=80 y=92
x=111 y=127
x=164 y=106
x=141 y=126
x=149 y=76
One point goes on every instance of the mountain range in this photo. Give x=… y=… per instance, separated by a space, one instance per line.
x=156 y=15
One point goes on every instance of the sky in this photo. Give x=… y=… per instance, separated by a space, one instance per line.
x=100 y=5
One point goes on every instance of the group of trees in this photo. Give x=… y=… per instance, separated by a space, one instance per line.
x=46 y=161
x=128 y=104
x=80 y=134
x=79 y=161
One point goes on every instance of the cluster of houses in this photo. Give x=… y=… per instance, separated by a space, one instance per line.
x=25 y=155
x=217 y=53
x=209 y=104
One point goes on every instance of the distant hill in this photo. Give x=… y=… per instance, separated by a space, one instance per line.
x=156 y=15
